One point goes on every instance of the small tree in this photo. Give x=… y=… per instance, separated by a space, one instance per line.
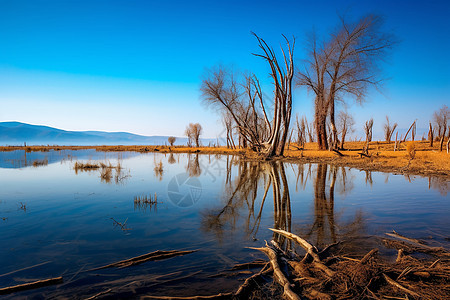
x=440 y=119
x=193 y=132
x=389 y=130
x=171 y=140
x=345 y=124
x=301 y=131
x=368 y=131
x=430 y=135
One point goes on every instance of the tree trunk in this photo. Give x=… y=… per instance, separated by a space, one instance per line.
x=430 y=135
x=441 y=144
x=321 y=131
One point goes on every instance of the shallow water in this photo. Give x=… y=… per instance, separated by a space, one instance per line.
x=61 y=222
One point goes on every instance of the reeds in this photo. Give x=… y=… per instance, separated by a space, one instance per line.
x=144 y=202
x=40 y=163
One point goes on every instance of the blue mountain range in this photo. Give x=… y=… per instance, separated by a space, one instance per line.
x=16 y=133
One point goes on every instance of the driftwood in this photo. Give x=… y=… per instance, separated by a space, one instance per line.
x=310 y=250
x=337 y=152
x=361 y=154
x=278 y=274
x=250 y=283
x=31 y=285
x=402 y=237
x=399 y=286
x=99 y=294
x=156 y=255
x=325 y=275
x=250 y=265
x=218 y=296
x=23 y=269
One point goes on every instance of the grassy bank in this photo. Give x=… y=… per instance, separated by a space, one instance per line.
x=419 y=158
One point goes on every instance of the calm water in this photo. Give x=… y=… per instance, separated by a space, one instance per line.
x=56 y=221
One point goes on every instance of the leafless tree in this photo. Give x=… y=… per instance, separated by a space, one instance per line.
x=430 y=135
x=440 y=118
x=368 y=130
x=171 y=140
x=193 y=132
x=301 y=130
x=389 y=130
x=345 y=124
x=346 y=63
x=368 y=126
x=228 y=123
x=245 y=104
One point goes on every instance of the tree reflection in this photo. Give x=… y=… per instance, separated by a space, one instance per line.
x=193 y=166
x=171 y=160
x=246 y=195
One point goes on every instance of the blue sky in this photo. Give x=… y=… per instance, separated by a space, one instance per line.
x=136 y=66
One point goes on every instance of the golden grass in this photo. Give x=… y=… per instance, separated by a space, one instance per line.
x=40 y=163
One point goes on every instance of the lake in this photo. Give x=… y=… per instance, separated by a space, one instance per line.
x=57 y=220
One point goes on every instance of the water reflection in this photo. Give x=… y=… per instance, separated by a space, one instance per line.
x=193 y=166
x=171 y=160
x=159 y=169
x=247 y=195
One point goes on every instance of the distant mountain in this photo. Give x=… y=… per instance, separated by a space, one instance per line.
x=16 y=133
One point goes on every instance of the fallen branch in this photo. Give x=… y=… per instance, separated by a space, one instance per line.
x=368 y=256
x=249 y=284
x=23 y=269
x=156 y=255
x=337 y=152
x=99 y=294
x=250 y=265
x=400 y=287
x=218 y=296
x=310 y=249
x=278 y=274
x=402 y=237
x=31 y=285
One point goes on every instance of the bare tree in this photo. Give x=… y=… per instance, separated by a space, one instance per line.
x=345 y=124
x=171 y=140
x=430 y=135
x=347 y=63
x=389 y=130
x=301 y=131
x=228 y=123
x=440 y=118
x=193 y=132
x=368 y=126
x=245 y=104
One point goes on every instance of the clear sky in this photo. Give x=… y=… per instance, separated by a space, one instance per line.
x=136 y=66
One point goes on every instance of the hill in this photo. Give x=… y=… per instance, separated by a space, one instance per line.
x=16 y=133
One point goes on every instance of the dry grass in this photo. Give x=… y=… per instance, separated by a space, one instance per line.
x=40 y=163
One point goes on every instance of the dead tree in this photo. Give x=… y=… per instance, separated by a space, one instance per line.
x=228 y=123
x=430 y=135
x=389 y=130
x=346 y=63
x=440 y=119
x=301 y=131
x=193 y=132
x=282 y=80
x=368 y=131
x=345 y=124
x=245 y=104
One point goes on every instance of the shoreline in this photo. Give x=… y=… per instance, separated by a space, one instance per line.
x=425 y=161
